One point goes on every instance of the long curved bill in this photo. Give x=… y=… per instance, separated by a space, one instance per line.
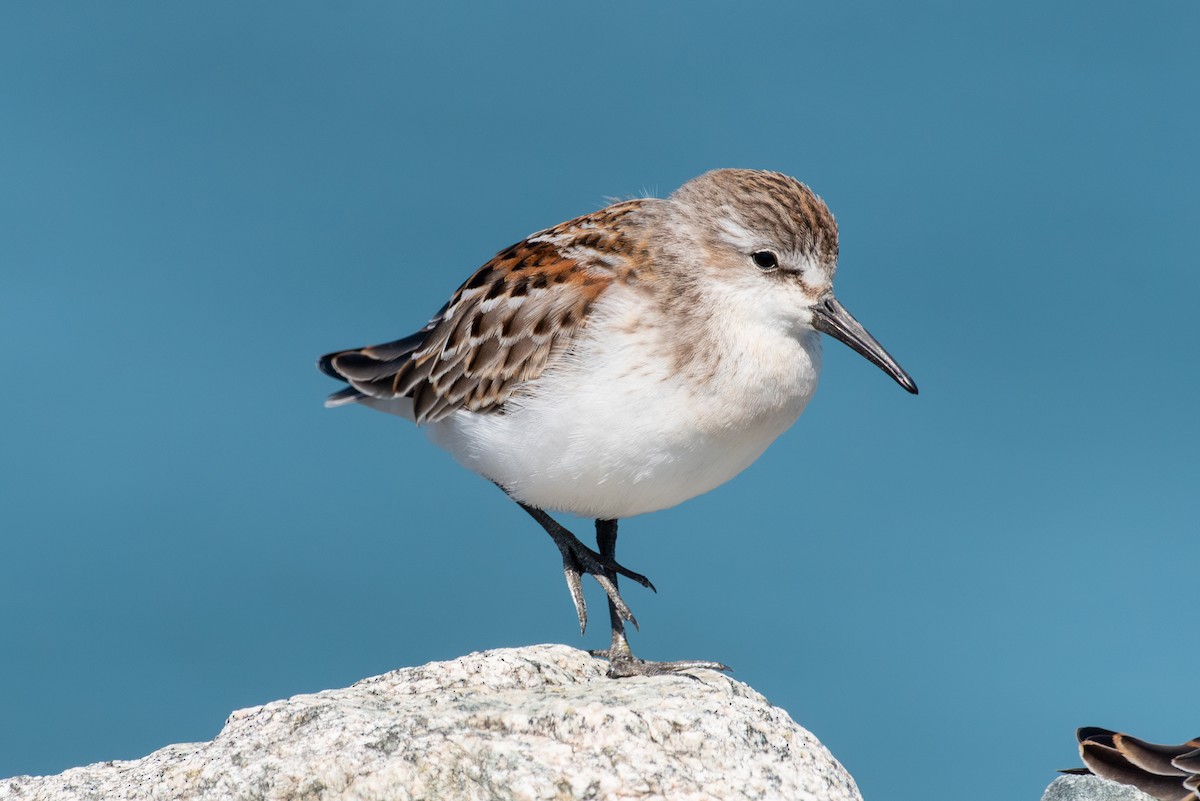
x=831 y=317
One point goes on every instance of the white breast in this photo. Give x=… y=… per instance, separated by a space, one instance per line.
x=617 y=430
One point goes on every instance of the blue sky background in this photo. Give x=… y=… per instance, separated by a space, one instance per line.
x=199 y=199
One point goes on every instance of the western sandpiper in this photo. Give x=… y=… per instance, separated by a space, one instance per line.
x=626 y=361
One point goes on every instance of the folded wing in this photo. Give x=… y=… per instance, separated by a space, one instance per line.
x=1167 y=772
x=500 y=330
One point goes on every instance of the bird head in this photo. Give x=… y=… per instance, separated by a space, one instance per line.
x=771 y=240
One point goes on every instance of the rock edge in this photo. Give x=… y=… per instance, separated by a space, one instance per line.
x=1091 y=788
x=541 y=722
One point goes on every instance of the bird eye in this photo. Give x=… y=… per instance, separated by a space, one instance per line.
x=765 y=259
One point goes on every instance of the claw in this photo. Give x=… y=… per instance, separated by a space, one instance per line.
x=629 y=574
x=575 y=586
x=617 y=600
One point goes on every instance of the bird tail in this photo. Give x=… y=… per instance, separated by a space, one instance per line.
x=370 y=371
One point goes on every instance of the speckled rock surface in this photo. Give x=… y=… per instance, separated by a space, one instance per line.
x=540 y=722
x=1091 y=788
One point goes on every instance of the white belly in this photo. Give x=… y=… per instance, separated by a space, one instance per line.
x=617 y=432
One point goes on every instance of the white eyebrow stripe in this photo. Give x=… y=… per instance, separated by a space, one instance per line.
x=735 y=233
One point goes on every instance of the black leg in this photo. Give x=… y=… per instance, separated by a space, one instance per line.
x=579 y=559
x=606 y=541
x=602 y=565
x=621 y=661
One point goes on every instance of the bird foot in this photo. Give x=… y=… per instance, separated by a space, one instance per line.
x=579 y=559
x=625 y=664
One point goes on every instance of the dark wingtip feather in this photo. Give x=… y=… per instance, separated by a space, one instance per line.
x=344 y=397
x=371 y=362
x=1093 y=733
x=325 y=365
x=1188 y=761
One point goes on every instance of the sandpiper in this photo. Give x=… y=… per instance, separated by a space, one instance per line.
x=626 y=361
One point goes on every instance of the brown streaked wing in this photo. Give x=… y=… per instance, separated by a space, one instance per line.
x=1112 y=764
x=501 y=329
x=1151 y=757
x=503 y=325
x=1167 y=772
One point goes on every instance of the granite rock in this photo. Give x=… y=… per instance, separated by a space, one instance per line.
x=541 y=722
x=1075 y=787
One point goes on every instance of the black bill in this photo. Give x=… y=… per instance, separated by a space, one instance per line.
x=831 y=317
